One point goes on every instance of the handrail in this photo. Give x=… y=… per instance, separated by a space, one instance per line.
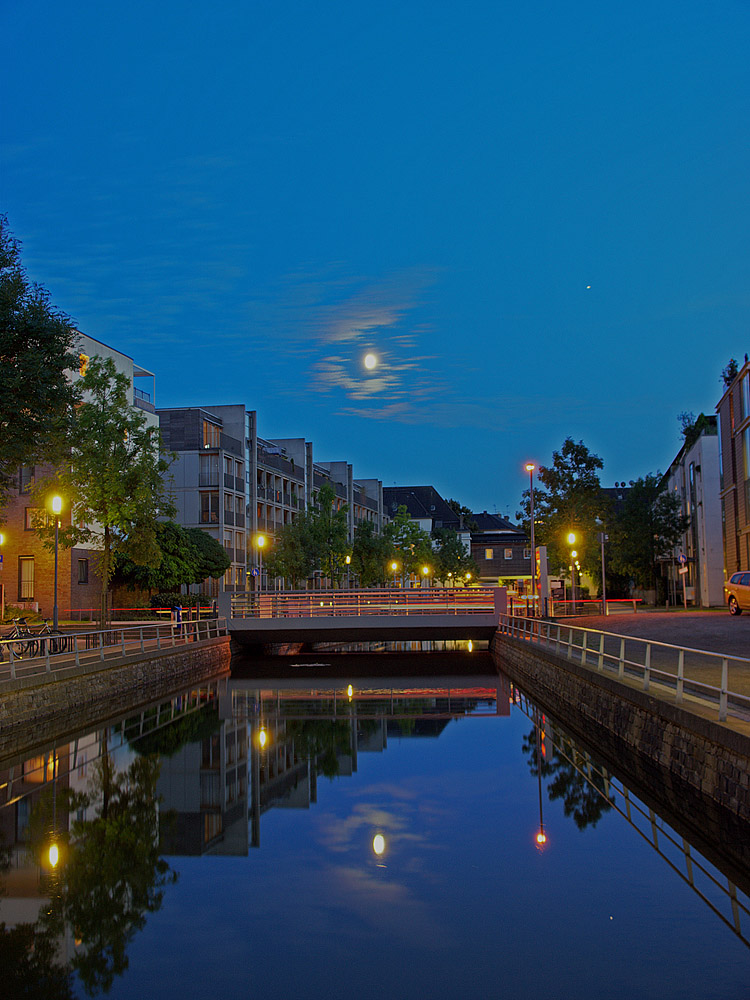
x=606 y=652
x=35 y=654
x=321 y=603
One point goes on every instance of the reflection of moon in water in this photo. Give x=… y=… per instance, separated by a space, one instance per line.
x=378 y=843
x=370 y=361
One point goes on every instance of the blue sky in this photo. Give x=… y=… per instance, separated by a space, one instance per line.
x=247 y=198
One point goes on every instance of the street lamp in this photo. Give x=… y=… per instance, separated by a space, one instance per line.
x=573 y=554
x=260 y=541
x=425 y=573
x=2 y=585
x=530 y=469
x=348 y=581
x=468 y=577
x=394 y=567
x=56 y=510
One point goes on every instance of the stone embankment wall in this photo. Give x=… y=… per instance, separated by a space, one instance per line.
x=34 y=710
x=687 y=749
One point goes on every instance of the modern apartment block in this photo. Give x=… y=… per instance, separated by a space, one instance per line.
x=694 y=477
x=734 y=471
x=28 y=568
x=209 y=484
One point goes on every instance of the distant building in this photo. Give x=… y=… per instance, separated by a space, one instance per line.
x=502 y=551
x=424 y=505
x=694 y=477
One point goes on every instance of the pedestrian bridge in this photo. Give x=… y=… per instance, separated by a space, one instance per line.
x=388 y=615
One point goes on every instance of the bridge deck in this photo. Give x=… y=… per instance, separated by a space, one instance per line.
x=365 y=628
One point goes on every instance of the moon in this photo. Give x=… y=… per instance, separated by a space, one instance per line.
x=370 y=361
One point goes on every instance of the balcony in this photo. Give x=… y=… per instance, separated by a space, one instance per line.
x=208 y=478
x=228 y=516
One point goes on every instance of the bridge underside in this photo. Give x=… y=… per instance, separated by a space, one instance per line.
x=356 y=628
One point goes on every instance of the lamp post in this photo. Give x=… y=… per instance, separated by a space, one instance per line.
x=2 y=585
x=348 y=579
x=573 y=554
x=56 y=509
x=425 y=574
x=394 y=567
x=530 y=470
x=260 y=541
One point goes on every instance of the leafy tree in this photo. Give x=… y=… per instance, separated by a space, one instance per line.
x=36 y=351
x=211 y=557
x=371 y=554
x=113 y=478
x=188 y=555
x=648 y=527
x=730 y=373
x=295 y=554
x=450 y=558
x=329 y=527
x=464 y=513
x=568 y=499
x=411 y=545
x=316 y=539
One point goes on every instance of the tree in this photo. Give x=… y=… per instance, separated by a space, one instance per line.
x=464 y=514
x=316 y=539
x=296 y=553
x=648 y=527
x=411 y=545
x=329 y=526
x=188 y=555
x=569 y=500
x=113 y=478
x=36 y=351
x=450 y=558
x=730 y=373
x=371 y=554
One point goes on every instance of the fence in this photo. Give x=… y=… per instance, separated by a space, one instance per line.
x=670 y=668
x=35 y=653
x=335 y=603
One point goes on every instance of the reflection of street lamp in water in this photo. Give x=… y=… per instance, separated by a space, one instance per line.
x=541 y=836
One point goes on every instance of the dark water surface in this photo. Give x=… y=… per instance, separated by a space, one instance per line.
x=283 y=888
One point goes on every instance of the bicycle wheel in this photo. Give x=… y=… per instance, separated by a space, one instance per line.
x=30 y=648
x=58 y=643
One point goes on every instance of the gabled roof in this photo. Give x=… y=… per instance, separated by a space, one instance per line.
x=421 y=502
x=493 y=522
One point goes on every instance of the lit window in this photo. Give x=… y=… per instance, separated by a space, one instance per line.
x=527 y=553
x=489 y=554
x=26 y=578
x=211 y=434
x=509 y=553
x=83 y=363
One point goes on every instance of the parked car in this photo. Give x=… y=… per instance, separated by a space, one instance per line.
x=737 y=593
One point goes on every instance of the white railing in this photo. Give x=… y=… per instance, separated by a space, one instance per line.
x=672 y=669
x=37 y=653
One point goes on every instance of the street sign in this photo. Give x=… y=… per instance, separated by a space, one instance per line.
x=254 y=571
x=682 y=569
x=681 y=559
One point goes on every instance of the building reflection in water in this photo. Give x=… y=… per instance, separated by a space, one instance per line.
x=230 y=752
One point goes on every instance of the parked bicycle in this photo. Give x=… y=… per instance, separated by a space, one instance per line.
x=58 y=642
x=21 y=631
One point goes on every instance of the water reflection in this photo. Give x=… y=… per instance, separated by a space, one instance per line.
x=199 y=773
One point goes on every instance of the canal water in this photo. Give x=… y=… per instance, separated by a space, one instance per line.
x=294 y=837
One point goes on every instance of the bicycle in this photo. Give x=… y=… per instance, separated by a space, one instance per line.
x=58 y=642
x=21 y=630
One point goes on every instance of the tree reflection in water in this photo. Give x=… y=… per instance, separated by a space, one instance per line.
x=109 y=877
x=581 y=787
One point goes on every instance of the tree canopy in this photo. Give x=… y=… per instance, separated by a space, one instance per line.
x=113 y=477
x=37 y=345
x=316 y=539
x=188 y=555
x=411 y=546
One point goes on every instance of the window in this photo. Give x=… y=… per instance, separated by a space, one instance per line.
x=83 y=363
x=509 y=553
x=489 y=554
x=35 y=517
x=238 y=470
x=83 y=571
x=228 y=541
x=209 y=470
x=209 y=507
x=25 y=578
x=527 y=553
x=26 y=478
x=227 y=466
x=211 y=434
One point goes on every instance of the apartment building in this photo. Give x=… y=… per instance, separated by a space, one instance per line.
x=694 y=476
x=733 y=411
x=28 y=567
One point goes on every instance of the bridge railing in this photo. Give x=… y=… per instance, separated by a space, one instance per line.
x=339 y=603
x=696 y=674
x=38 y=654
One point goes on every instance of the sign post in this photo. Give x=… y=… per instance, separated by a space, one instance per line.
x=682 y=560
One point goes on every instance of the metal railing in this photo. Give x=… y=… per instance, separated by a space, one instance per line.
x=335 y=603
x=671 y=669
x=40 y=654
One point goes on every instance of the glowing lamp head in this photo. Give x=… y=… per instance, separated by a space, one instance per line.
x=260 y=541
x=56 y=504
x=350 y=691
x=574 y=554
x=425 y=570
x=54 y=855
x=2 y=538
x=468 y=576
x=530 y=467
x=262 y=738
x=571 y=538
x=378 y=844
x=348 y=560
x=541 y=839
x=394 y=566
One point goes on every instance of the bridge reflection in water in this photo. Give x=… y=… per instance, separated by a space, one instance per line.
x=230 y=752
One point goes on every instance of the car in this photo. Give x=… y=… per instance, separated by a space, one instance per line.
x=737 y=593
